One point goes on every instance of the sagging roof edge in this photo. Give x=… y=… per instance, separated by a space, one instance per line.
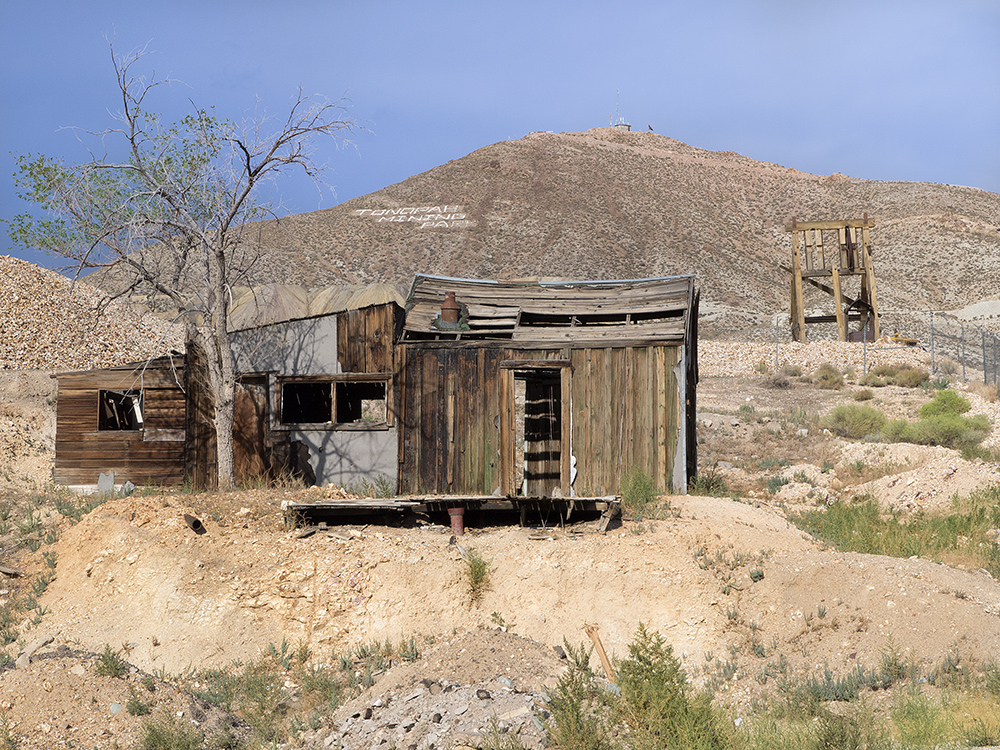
x=317 y=316
x=556 y=283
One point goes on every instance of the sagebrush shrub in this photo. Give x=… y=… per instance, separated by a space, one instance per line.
x=657 y=704
x=854 y=421
x=951 y=430
x=911 y=377
x=906 y=376
x=944 y=403
x=828 y=376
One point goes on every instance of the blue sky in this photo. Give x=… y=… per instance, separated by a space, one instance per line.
x=878 y=89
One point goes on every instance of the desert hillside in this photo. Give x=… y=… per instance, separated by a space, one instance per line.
x=612 y=204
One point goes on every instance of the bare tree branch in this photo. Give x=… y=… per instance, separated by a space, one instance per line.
x=170 y=218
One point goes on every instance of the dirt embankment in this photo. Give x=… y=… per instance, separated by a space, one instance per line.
x=133 y=572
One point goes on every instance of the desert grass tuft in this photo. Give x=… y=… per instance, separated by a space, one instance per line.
x=477 y=576
x=638 y=492
x=828 y=376
x=111 y=664
x=166 y=732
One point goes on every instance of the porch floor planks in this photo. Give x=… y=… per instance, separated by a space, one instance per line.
x=425 y=502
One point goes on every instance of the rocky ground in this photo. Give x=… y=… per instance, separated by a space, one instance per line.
x=132 y=576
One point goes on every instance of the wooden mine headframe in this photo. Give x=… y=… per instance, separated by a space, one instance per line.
x=815 y=257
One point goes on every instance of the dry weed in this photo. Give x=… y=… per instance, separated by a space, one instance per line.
x=987 y=391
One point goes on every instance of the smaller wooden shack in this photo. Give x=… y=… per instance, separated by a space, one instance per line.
x=128 y=419
x=546 y=389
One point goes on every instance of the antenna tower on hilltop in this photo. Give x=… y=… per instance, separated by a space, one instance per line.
x=618 y=121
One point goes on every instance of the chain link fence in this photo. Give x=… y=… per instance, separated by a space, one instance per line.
x=956 y=347
x=953 y=346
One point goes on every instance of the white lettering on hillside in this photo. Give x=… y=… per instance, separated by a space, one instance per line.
x=425 y=217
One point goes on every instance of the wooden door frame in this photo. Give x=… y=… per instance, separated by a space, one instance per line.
x=508 y=370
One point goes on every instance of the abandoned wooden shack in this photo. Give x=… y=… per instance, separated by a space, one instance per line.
x=478 y=389
x=546 y=389
x=314 y=399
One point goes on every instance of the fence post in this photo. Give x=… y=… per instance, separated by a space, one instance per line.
x=775 y=345
x=996 y=365
x=864 y=356
x=932 y=342
x=986 y=380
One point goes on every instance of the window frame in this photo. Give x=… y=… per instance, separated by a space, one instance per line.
x=333 y=380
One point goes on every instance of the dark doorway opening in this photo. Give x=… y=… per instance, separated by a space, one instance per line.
x=538 y=432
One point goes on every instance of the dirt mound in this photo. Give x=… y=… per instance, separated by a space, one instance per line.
x=48 y=322
x=132 y=571
x=64 y=698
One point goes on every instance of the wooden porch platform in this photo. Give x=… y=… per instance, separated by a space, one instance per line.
x=551 y=510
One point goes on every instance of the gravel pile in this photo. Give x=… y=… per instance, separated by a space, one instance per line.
x=485 y=688
x=47 y=323
x=717 y=358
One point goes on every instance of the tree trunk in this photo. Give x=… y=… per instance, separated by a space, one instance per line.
x=222 y=375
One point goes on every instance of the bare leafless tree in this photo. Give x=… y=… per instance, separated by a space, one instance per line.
x=173 y=210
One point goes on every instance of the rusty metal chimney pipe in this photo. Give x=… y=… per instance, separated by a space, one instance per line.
x=449 y=309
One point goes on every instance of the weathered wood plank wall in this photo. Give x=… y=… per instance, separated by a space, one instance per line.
x=454 y=419
x=448 y=409
x=365 y=338
x=152 y=455
x=625 y=415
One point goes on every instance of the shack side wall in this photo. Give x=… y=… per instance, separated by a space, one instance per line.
x=349 y=457
x=153 y=455
x=625 y=413
x=350 y=342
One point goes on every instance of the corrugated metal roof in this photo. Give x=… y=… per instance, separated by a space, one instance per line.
x=276 y=303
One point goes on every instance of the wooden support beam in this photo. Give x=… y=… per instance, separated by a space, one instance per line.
x=870 y=275
x=799 y=324
x=803 y=225
x=506 y=413
x=838 y=306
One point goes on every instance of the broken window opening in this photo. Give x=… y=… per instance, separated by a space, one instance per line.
x=120 y=410
x=306 y=403
x=361 y=403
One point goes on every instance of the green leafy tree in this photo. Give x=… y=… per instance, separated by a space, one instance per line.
x=171 y=210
